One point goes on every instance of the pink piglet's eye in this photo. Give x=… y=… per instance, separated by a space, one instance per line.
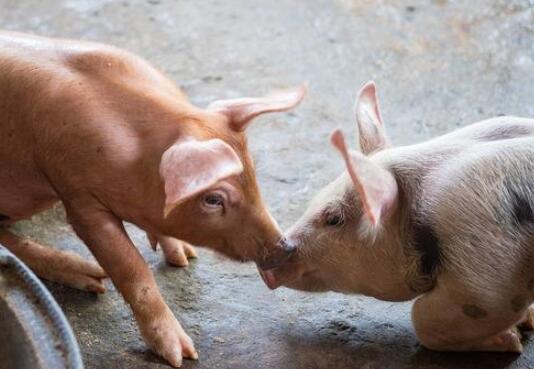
x=334 y=219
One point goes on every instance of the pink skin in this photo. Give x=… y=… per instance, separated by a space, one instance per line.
x=371 y=193
x=446 y=222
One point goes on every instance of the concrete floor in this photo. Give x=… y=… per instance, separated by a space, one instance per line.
x=439 y=64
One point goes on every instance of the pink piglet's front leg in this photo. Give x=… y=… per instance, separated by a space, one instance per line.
x=105 y=236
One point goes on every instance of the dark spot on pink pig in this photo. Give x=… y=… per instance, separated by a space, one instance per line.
x=426 y=244
x=474 y=311
x=518 y=303
x=522 y=210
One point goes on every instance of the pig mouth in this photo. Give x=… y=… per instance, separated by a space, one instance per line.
x=272 y=262
x=269 y=278
x=286 y=275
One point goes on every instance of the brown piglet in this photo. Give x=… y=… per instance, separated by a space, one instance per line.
x=114 y=140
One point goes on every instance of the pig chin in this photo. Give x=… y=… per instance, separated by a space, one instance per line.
x=242 y=254
x=294 y=277
x=308 y=283
x=232 y=252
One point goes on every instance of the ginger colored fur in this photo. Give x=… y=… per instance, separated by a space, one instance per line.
x=88 y=125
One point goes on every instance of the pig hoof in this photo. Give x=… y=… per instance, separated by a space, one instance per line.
x=167 y=339
x=89 y=278
x=177 y=252
x=72 y=270
x=508 y=341
x=528 y=322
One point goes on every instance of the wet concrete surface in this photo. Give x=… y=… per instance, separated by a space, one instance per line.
x=438 y=65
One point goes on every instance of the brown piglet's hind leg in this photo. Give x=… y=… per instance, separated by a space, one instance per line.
x=63 y=267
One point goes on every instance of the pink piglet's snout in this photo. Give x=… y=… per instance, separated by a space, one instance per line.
x=283 y=250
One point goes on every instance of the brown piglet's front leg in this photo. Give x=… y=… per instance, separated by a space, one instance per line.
x=105 y=235
x=177 y=252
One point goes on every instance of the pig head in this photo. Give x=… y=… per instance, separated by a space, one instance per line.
x=210 y=183
x=344 y=239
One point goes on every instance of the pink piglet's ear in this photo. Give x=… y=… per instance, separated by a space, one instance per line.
x=241 y=111
x=375 y=186
x=190 y=167
x=369 y=119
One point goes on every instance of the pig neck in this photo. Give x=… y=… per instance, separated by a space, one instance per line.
x=387 y=266
x=408 y=235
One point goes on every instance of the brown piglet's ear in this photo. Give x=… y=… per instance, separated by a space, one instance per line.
x=369 y=118
x=375 y=186
x=190 y=167
x=241 y=111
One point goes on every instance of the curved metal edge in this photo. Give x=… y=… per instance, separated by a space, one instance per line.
x=51 y=307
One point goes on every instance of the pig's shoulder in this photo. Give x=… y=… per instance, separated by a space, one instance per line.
x=116 y=68
x=94 y=58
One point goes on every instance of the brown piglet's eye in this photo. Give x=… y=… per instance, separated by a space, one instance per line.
x=214 y=200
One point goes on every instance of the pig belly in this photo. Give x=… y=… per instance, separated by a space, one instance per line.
x=23 y=194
